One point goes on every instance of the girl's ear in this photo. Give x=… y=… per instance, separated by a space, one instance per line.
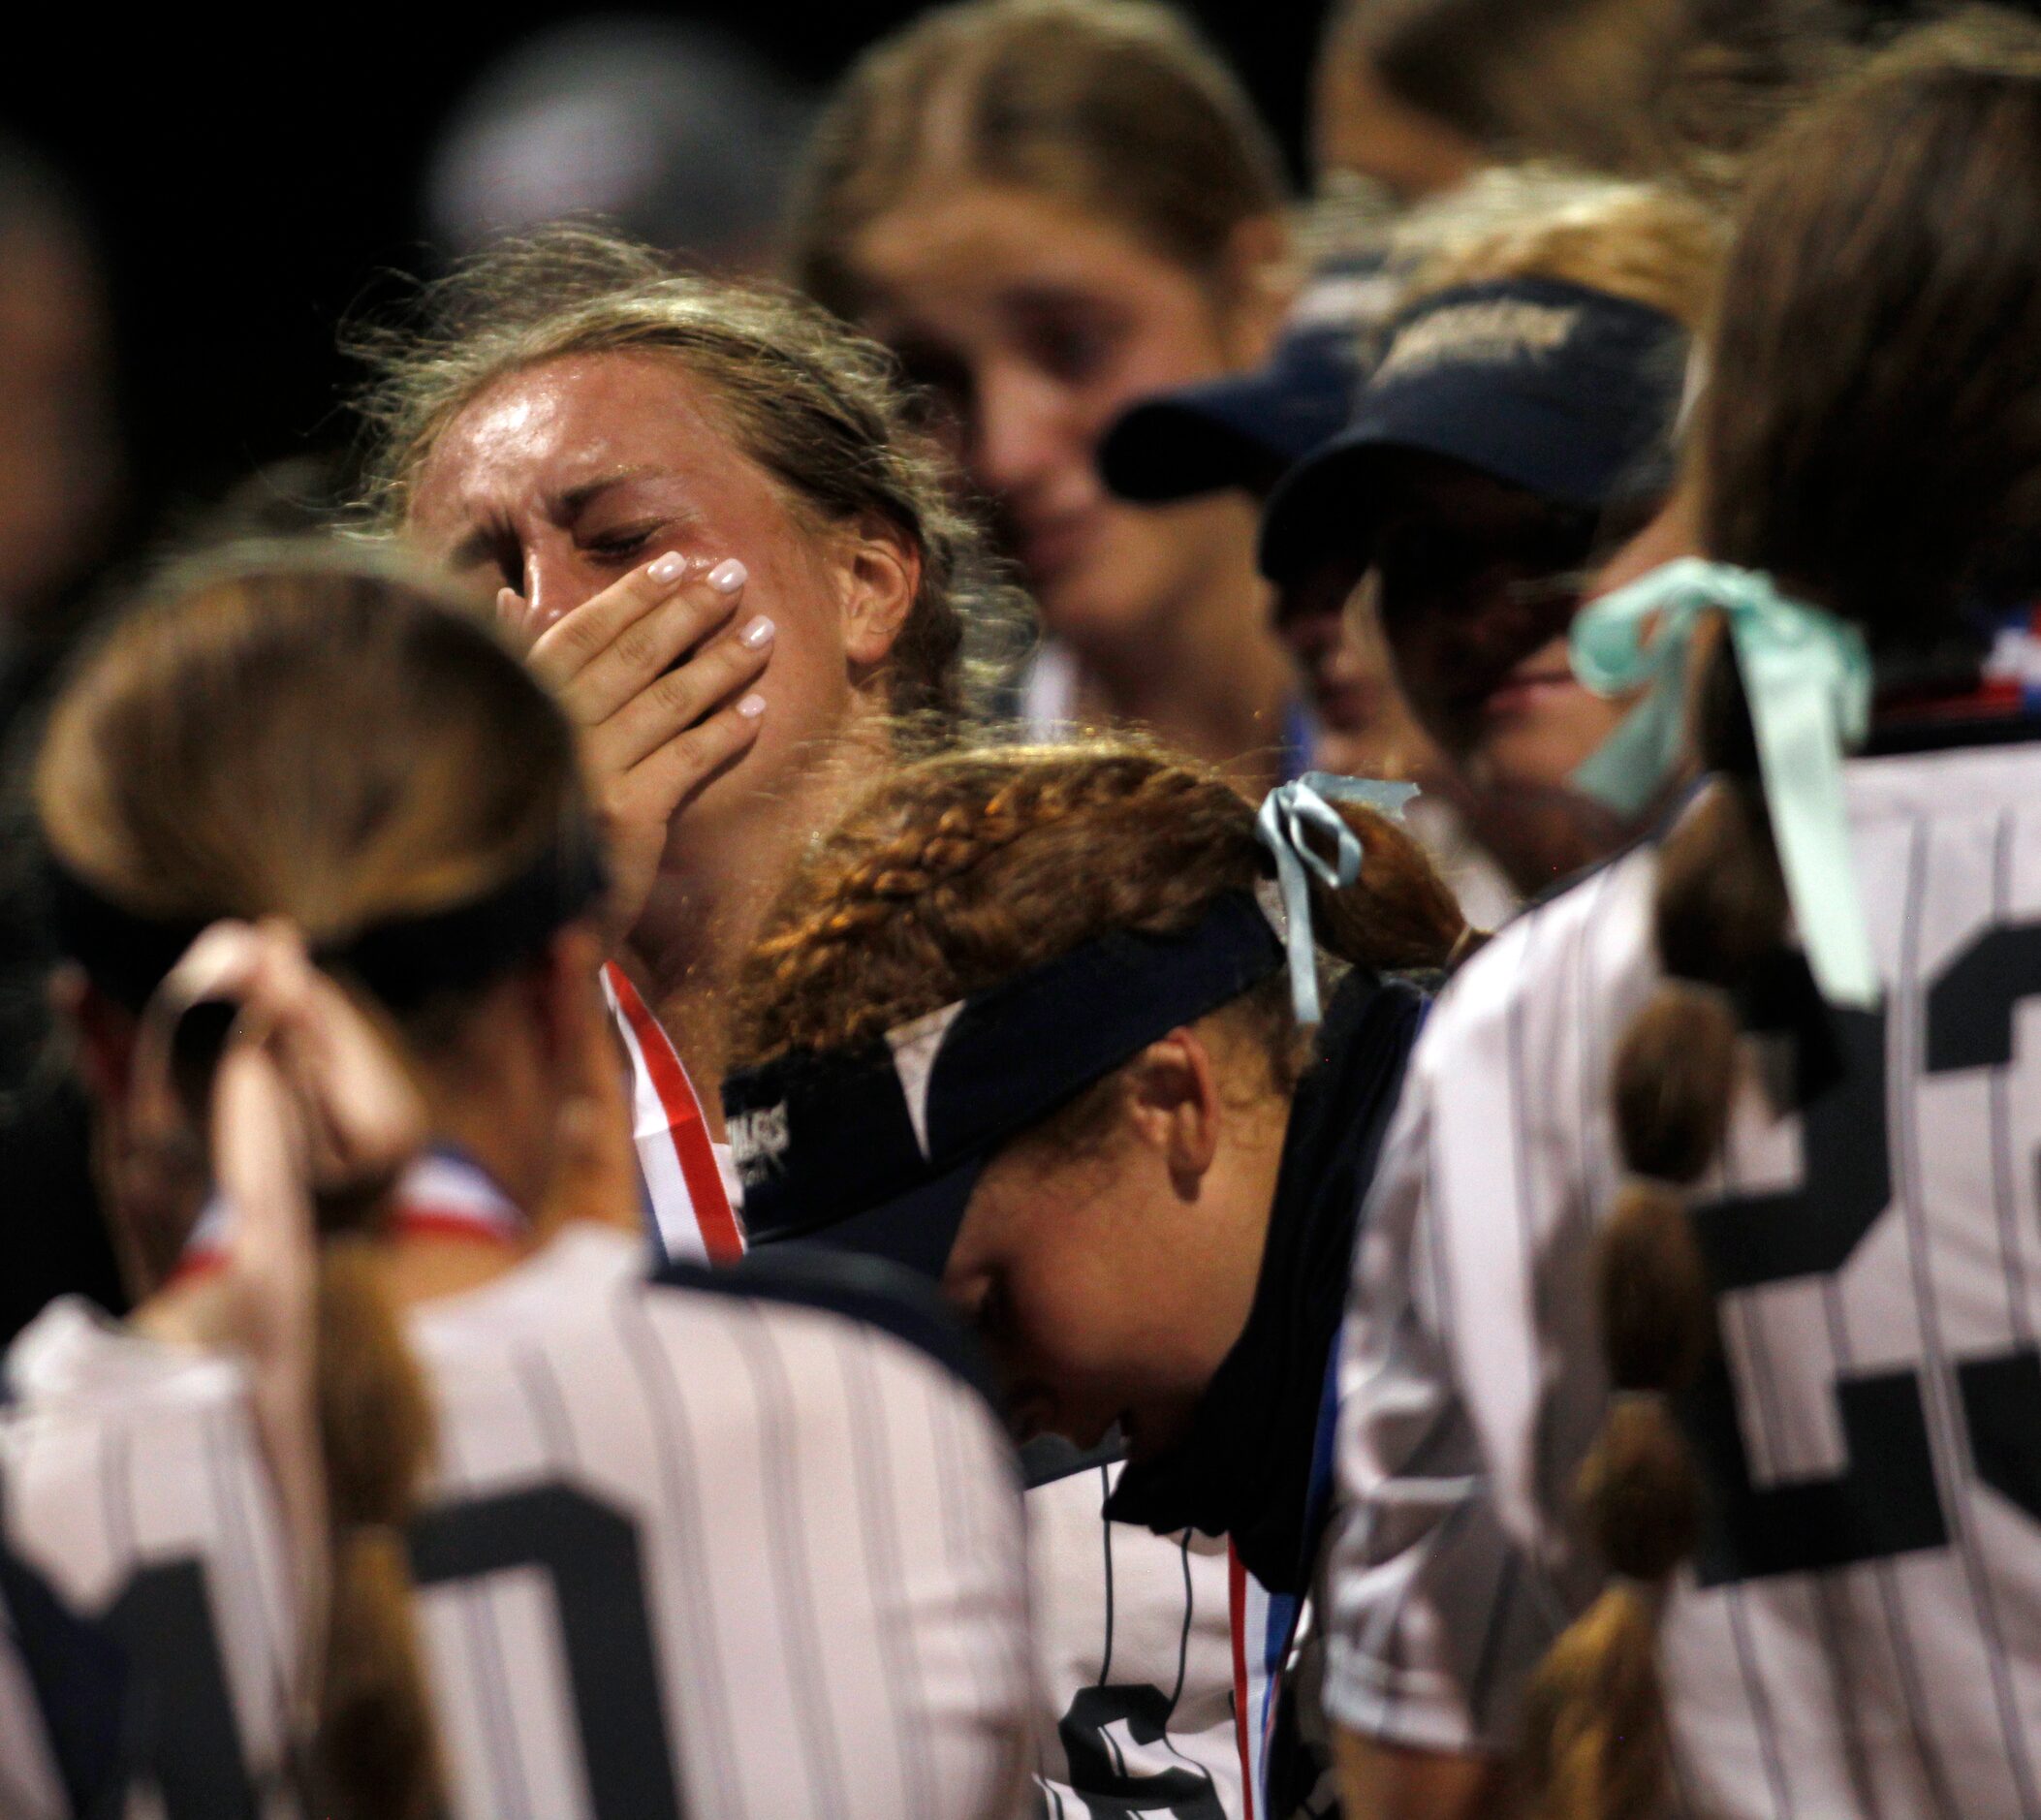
x=1174 y=1104
x=879 y=573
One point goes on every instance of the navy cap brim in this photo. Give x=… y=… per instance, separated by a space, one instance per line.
x=1327 y=506
x=917 y=1229
x=1567 y=393
x=1243 y=431
x=1177 y=448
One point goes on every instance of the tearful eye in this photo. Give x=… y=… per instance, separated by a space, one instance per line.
x=618 y=545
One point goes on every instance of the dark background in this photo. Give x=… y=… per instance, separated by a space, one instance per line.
x=247 y=185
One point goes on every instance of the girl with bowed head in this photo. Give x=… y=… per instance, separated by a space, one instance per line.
x=1098 y=1103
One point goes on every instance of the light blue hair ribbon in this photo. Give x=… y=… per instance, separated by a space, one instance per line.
x=1807 y=678
x=1290 y=813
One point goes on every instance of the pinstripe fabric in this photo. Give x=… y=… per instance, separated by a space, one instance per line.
x=1897 y=1678
x=740 y=1454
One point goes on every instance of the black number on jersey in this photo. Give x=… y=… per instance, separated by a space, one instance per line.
x=1885 y=1500
x=591 y=1553
x=191 y=1745
x=1098 y=1773
x=184 y=1729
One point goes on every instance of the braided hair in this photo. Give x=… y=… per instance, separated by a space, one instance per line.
x=964 y=870
x=1870 y=435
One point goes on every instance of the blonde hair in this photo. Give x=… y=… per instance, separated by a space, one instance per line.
x=1651 y=242
x=1117 y=107
x=813 y=405
x=306 y=734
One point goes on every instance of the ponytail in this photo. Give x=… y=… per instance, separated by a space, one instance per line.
x=1596 y=1740
x=377 y=1754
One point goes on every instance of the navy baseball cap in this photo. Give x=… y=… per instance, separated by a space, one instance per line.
x=1250 y=428
x=875 y=1147
x=1564 y=391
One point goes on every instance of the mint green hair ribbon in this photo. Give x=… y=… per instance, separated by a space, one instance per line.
x=1289 y=814
x=1807 y=678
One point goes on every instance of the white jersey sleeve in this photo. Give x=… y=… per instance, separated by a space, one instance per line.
x=689 y=1549
x=1860 y=1631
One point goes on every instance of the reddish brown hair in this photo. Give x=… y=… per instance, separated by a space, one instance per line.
x=961 y=871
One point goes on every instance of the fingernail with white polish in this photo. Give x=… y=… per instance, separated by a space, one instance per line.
x=727 y=577
x=751 y=707
x=670 y=567
x=758 y=634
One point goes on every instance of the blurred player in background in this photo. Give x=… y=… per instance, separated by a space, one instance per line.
x=669 y=132
x=64 y=510
x=1696 y=1302
x=1245 y=433
x=1050 y=208
x=1420 y=94
x=62 y=466
x=1098 y=1105
x=407 y=1491
x=1517 y=429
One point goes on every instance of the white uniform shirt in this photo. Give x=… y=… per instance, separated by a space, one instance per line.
x=1860 y=1633
x=685 y=1549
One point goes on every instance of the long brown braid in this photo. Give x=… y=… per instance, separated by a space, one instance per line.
x=1871 y=434
x=960 y=871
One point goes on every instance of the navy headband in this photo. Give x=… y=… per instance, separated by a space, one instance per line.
x=875 y=1147
x=402 y=962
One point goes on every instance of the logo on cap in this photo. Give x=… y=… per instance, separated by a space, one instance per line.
x=758 y=1141
x=1493 y=329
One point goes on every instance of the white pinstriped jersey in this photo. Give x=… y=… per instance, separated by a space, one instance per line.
x=1859 y=1633
x=1133 y=1652
x=686 y=1550
x=1148 y=1649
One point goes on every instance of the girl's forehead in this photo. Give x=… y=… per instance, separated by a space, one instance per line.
x=985 y=237
x=547 y=435
x=567 y=407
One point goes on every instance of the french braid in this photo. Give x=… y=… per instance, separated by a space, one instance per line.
x=1870 y=435
x=960 y=871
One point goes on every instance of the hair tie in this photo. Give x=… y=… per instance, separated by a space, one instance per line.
x=1288 y=814
x=1807 y=678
